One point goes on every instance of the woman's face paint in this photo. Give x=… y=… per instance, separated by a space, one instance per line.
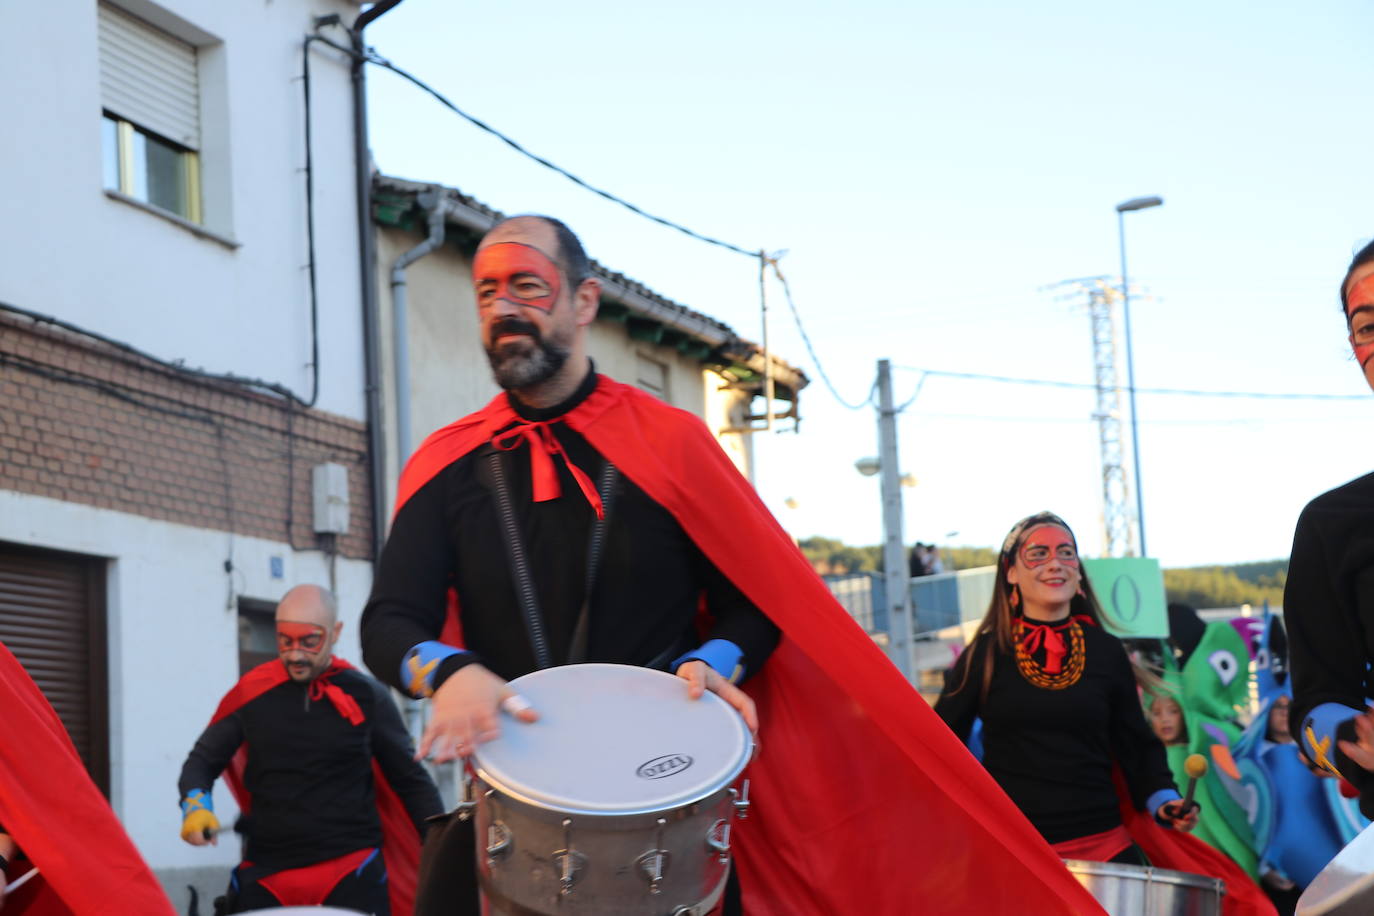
x=519 y=274
x=1045 y=542
x=1359 y=313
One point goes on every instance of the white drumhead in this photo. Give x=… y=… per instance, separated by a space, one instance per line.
x=1346 y=884
x=614 y=739
x=302 y=911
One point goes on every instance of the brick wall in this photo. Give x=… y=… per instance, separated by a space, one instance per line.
x=86 y=422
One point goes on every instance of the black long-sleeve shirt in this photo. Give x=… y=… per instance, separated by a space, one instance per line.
x=1052 y=751
x=309 y=771
x=1328 y=609
x=647 y=592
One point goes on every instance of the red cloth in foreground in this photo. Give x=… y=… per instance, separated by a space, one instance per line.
x=400 y=839
x=1167 y=848
x=87 y=864
x=864 y=802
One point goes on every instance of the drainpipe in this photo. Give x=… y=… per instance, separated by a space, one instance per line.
x=367 y=260
x=438 y=222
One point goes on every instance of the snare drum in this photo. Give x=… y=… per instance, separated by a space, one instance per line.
x=1134 y=890
x=1345 y=887
x=617 y=802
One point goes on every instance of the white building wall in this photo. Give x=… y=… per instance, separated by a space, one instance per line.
x=173 y=643
x=238 y=305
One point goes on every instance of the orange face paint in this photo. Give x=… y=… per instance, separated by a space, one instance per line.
x=307 y=637
x=519 y=274
x=1048 y=541
x=1359 y=313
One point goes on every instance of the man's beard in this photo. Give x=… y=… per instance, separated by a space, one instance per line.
x=517 y=366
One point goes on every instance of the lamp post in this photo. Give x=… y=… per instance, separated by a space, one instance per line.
x=1135 y=203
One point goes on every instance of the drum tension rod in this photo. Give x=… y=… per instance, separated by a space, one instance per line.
x=569 y=862
x=654 y=863
x=742 y=803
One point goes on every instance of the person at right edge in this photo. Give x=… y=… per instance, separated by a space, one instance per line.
x=854 y=759
x=1328 y=601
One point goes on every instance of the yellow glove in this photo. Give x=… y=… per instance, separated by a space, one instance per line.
x=198 y=818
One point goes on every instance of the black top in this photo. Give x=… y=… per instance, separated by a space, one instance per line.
x=1052 y=751
x=646 y=595
x=1328 y=609
x=309 y=771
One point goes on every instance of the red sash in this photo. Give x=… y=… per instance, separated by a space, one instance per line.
x=309 y=885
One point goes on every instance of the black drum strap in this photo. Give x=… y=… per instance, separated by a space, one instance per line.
x=596 y=543
x=525 y=592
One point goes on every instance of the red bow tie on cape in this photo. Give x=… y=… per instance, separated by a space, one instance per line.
x=323 y=688
x=544 y=447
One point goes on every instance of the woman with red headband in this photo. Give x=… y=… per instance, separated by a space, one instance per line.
x=1058 y=699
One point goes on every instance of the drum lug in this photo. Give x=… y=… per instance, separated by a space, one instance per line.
x=498 y=842
x=568 y=861
x=741 y=801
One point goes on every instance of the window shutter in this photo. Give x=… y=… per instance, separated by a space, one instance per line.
x=149 y=78
x=52 y=619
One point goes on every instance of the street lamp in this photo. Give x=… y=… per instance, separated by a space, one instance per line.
x=1135 y=203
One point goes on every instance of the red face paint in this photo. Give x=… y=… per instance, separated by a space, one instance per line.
x=519 y=274
x=307 y=637
x=1046 y=541
x=1359 y=312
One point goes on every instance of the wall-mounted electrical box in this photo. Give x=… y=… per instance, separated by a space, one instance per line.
x=330 y=489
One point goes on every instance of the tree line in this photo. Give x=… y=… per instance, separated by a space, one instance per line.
x=1199 y=586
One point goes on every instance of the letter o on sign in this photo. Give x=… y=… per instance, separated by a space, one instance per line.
x=1125 y=599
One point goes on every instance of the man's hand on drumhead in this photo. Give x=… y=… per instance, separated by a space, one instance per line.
x=701 y=677
x=1361 y=750
x=465 y=712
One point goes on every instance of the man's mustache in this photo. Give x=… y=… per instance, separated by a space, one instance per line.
x=513 y=325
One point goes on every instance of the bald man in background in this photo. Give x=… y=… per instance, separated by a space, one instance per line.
x=324 y=771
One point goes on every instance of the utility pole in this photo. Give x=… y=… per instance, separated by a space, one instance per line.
x=1118 y=530
x=898 y=583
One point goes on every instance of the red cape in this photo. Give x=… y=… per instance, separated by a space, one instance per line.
x=61 y=822
x=864 y=802
x=400 y=839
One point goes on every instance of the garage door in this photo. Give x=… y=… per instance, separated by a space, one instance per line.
x=52 y=617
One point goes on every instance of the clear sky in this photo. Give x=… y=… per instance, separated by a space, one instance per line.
x=931 y=169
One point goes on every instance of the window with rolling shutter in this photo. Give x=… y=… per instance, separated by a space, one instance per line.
x=150 y=96
x=52 y=617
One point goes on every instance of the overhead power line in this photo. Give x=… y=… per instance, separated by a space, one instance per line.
x=796 y=316
x=372 y=57
x=1183 y=392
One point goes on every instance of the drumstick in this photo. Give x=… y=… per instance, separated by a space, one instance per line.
x=1196 y=768
x=516 y=704
x=19 y=882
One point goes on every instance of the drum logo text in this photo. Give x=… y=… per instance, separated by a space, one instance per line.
x=664 y=766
